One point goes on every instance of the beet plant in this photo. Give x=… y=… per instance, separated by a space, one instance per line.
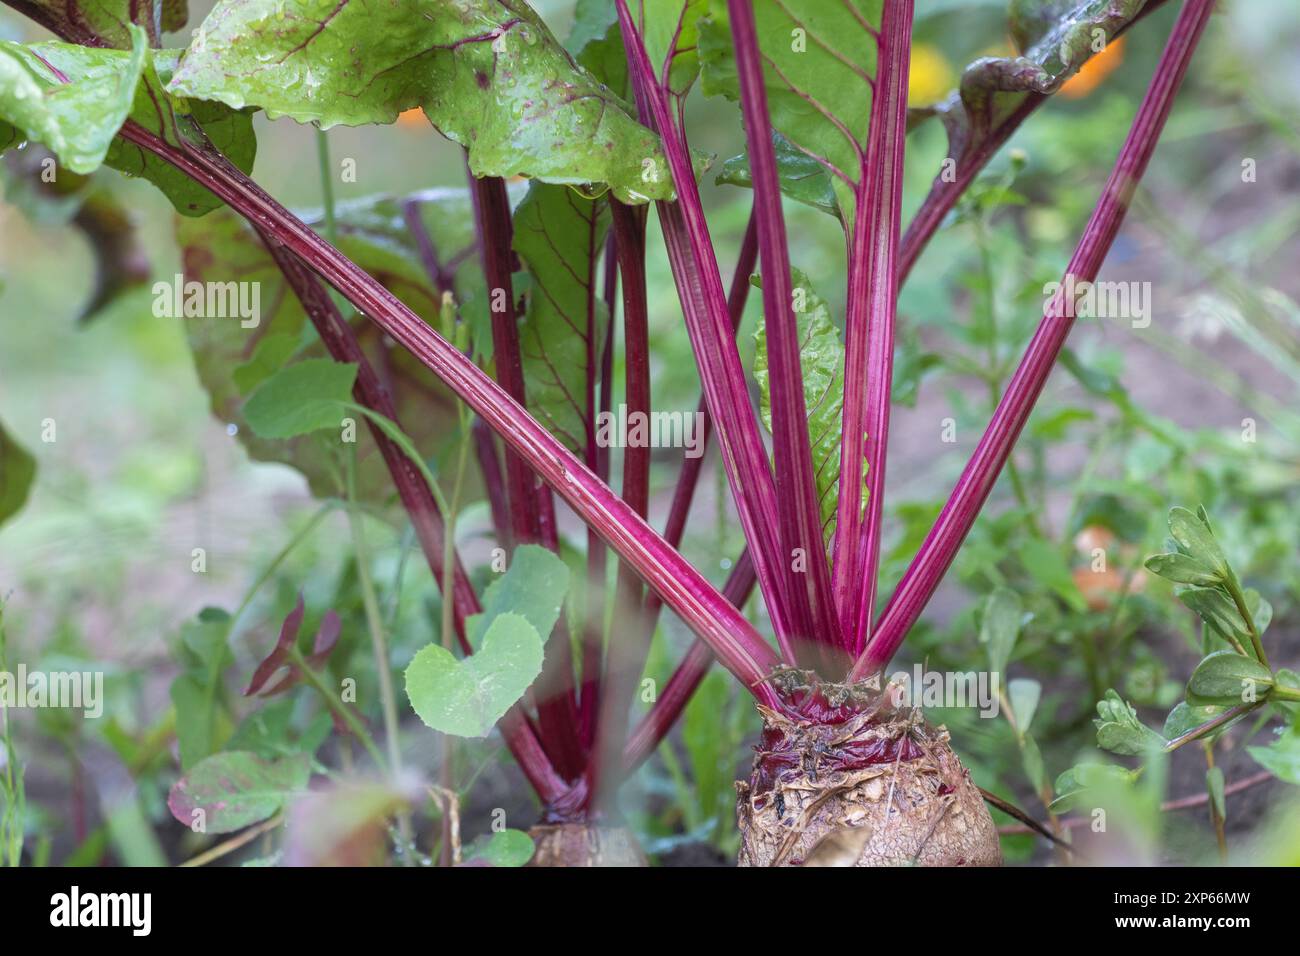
x=484 y=321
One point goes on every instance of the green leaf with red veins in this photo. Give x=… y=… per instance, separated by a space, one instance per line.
x=77 y=120
x=558 y=235
x=819 y=63
x=488 y=74
x=821 y=355
x=670 y=28
x=17 y=469
x=74 y=99
x=100 y=23
x=182 y=122
x=232 y=360
x=235 y=789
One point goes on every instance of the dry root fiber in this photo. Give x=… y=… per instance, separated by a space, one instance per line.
x=581 y=844
x=847 y=780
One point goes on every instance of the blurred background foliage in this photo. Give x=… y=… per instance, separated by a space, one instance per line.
x=96 y=570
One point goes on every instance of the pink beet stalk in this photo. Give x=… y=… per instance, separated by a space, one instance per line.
x=699 y=289
x=869 y=329
x=628 y=648
x=494 y=228
x=797 y=503
x=976 y=481
x=735 y=641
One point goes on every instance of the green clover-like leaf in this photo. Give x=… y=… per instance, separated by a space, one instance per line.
x=467 y=697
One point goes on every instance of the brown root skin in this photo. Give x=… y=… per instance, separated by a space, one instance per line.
x=582 y=844
x=859 y=784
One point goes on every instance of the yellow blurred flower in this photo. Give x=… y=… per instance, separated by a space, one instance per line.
x=931 y=76
x=1094 y=70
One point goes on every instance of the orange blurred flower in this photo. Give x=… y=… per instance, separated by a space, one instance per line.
x=1095 y=69
x=1100 y=584
x=1100 y=589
